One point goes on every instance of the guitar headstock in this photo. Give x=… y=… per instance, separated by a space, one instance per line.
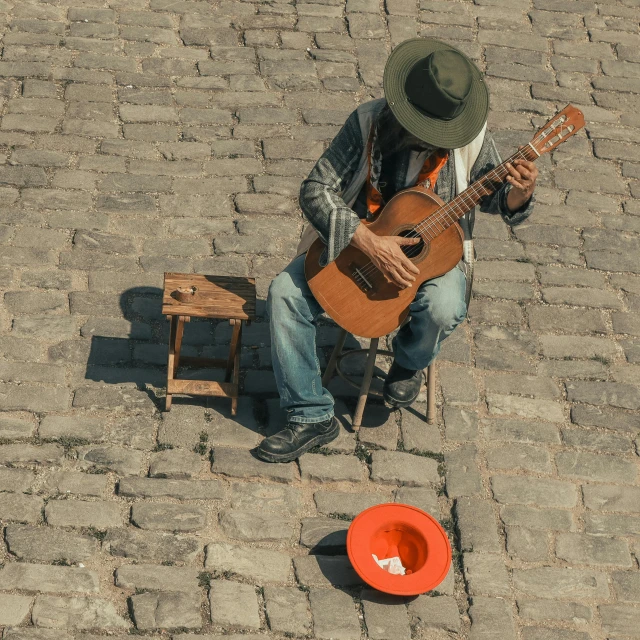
x=562 y=126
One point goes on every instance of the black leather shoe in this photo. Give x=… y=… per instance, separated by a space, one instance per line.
x=401 y=386
x=296 y=438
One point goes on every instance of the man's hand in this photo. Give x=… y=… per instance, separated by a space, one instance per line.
x=522 y=177
x=386 y=254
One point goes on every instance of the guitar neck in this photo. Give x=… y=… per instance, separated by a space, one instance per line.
x=451 y=212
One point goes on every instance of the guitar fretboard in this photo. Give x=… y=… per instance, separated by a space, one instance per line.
x=451 y=212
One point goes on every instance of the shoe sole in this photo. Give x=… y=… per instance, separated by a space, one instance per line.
x=316 y=442
x=399 y=404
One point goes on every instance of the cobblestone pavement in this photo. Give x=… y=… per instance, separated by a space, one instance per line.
x=143 y=136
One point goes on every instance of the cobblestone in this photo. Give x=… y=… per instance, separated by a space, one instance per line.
x=173 y=135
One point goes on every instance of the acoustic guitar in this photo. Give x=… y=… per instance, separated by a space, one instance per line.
x=359 y=298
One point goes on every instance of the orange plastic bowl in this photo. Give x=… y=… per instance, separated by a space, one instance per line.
x=389 y=530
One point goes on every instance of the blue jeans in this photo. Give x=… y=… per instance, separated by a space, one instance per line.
x=438 y=308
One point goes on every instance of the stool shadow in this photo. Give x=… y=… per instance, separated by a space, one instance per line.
x=132 y=348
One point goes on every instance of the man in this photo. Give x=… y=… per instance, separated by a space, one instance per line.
x=430 y=130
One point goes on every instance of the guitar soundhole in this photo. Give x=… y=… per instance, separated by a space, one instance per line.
x=412 y=251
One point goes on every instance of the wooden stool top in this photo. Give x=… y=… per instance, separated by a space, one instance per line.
x=197 y=295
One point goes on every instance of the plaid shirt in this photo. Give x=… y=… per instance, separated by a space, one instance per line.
x=335 y=222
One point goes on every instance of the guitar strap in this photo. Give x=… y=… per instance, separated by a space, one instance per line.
x=427 y=177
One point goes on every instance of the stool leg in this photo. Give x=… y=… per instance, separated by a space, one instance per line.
x=173 y=331
x=431 y=393
x=236 y=366
x=366 y=383
x=335 y=354
x=236 y=324
x=178 y=344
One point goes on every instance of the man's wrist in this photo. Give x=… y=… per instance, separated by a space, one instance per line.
x=364 y=239
x=515 y=200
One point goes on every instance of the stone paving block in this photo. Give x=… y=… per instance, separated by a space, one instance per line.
x=612 y=498
x=165 y=488
x=147 y=546
x=255 y=526
x=12 y=428
x=14 y=609
x=242 y=464
x=394 y=467
x=81 y=427
x=460 y=424
x=77 y=513
x=620 y=619
x=15 y=479
x=626 y=585
x=592 y=416
x=529 y=545
x=261 y=565
x=585 y=549
x=435 y=613
x=76 y=613
x=519 y=456
x=539 y=610
x=331 y=468
x=491 y=617
x=379 y=427
x=557 y=582
x=328 y=626
x=417 y=435
x=462 y=475
x=531 y=408
x=168 y=517
x=41 y=577
x=175 y=464
x=598 y=441
x=20 y=508
x=265 y=497
x=31 y=633
x=347 y=504
x=324 y=535
x=541 y=633
x=525 y=431
x=166 y=610
x=287 y=610
x=385 y=616
x=425 y=499
x=486 y=574
x=541 y=492
x=596 y=467
x=325 y=571
x=119 y=459
x=153 y=578
x=611 y=524
x=234 y=605
x=477 y=525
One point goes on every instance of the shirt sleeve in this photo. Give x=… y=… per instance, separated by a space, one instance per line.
x=496 y=202
x=321 y=193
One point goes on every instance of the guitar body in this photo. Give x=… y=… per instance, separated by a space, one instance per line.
x=356 y=295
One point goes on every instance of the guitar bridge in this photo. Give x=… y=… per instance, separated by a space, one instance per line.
x=361 y=279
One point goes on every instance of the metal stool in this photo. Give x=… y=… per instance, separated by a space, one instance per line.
x=335 y=363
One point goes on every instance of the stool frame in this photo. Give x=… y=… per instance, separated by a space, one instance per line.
x=334 y=366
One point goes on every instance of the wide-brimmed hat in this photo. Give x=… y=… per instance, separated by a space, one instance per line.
x=435 y=92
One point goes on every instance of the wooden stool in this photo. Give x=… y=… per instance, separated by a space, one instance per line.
x=190 y=295
x=335 y=362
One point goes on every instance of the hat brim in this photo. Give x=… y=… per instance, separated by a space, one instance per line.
x=447 y=134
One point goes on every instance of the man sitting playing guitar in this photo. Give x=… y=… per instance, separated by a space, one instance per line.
x=436 y=102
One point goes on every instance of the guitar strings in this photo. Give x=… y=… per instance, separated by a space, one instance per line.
x=430 y=224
